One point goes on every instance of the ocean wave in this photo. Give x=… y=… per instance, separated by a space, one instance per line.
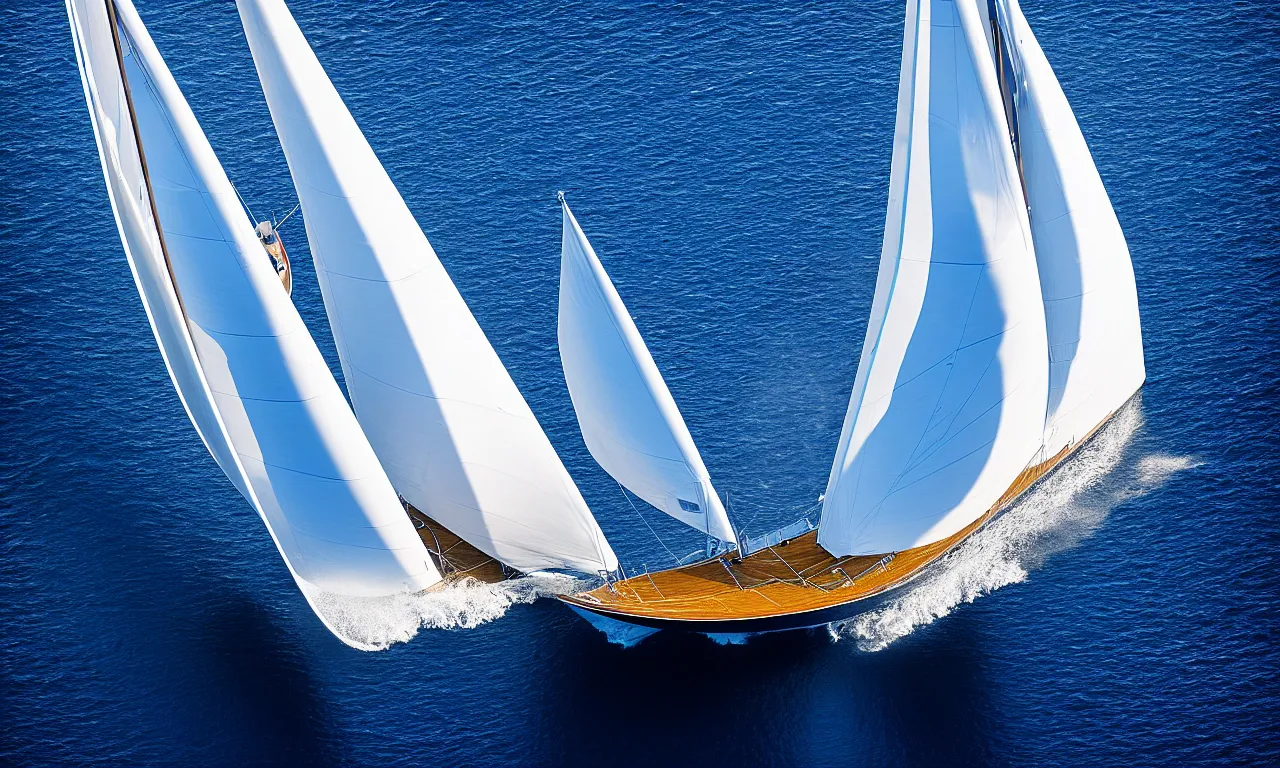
x=1056 y=515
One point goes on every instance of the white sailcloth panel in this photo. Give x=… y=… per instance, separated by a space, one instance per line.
x=948 y=404
x=1090 y=298
x=628 y=418
x=126 y=187
x=244 y=364
x=454 y=434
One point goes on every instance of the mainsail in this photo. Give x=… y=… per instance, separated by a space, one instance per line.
x=1086 y=275
x=247 y=371
x=949 y=400
x=456 y=437
x=628 y=418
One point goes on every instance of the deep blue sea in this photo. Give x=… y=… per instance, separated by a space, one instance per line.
x=731 y=167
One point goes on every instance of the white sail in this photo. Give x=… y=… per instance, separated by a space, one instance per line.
x=628 y=418
x=247 y=371
x=949 y=399
x=1090 y=298
x=454 y=434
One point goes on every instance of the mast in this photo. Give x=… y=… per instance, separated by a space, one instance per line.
x=1008 y=79
x=625 y=411
x=948 y=403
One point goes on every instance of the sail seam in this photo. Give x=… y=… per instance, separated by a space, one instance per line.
x=941 y=393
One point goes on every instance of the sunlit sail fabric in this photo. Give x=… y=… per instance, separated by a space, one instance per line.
x=627 y=416
x=1086 y=275
x=454 y=434
x=949 y=399
x=247 y=371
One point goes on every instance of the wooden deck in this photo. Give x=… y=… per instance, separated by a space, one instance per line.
x=456 y=559
x=280 y=262
x=795 y=577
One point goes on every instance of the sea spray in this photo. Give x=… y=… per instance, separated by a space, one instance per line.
x=373 y=624
x=1056 y=515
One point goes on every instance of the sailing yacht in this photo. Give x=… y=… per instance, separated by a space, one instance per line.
x=440 y=440
x=246 y=369
x=1003 y=333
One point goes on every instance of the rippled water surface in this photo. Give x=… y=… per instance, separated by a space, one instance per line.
x=730 y=166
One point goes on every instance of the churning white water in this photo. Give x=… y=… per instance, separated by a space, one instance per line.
x=373 y=624
x=1056 y=515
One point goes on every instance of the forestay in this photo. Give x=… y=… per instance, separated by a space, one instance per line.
x=628 y=418
x=454 y=434
x=949 y=399
x=247 y=371
x=1086 y=275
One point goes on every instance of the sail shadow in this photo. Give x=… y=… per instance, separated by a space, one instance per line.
x=257 y=688
x=961 y=346
x=1055 y=516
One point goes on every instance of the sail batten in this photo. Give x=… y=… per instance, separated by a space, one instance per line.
x=948 y=402
x=248 y=374
x=626 y=413
x=455 y=435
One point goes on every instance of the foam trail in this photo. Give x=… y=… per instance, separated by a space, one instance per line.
x=373 y=624
x=1061 y=511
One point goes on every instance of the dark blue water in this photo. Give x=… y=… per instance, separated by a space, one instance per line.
x=731 y=168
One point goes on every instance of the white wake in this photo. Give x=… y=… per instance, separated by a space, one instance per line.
x=1056 y=515
x=373 y=624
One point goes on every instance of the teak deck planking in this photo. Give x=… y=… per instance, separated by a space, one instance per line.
x=456 y=559
x=796 y=576
x=278 y=253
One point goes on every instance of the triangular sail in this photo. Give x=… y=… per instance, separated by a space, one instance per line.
x=627 y=416
x=1086 y=275
x=949 y=399
x=249 y=374
x=456 y=437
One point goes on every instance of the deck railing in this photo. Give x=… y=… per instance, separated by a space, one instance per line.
x=748 y=545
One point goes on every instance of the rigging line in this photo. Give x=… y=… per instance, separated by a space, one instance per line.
x=646 y=524
x=243 y=202
x=287 y=215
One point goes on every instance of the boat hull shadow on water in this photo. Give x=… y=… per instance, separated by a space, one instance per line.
x=795 y=584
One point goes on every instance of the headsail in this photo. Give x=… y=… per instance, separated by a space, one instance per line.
x=949 y=399
x=249 y=374
x=454 y=434
x=1086 y=275
x=626 y=413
